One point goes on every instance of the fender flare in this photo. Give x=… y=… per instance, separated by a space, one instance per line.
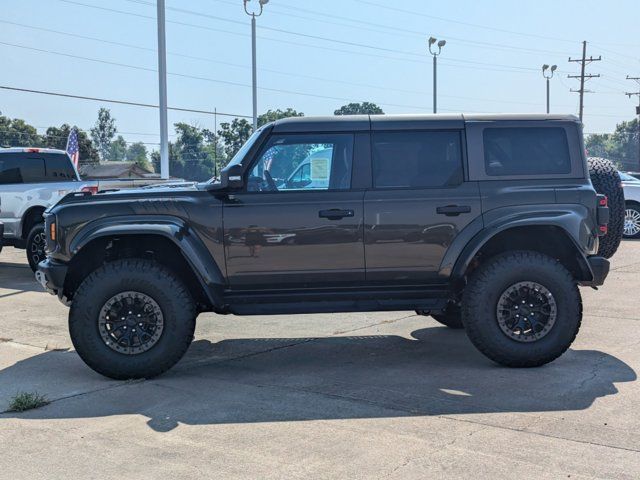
x=572 y=220
x=174 y=229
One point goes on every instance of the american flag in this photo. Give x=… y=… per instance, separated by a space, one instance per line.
x=73 y=150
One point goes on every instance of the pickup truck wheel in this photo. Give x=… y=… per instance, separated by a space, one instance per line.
x=522 y=309
x=131 y=319
x=36 y=243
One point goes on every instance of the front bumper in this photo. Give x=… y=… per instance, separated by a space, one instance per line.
x=51 y=274
x=599 y=267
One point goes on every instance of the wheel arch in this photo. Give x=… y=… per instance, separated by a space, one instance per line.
x=170 y=242
x=546 y=238
x=30 y=218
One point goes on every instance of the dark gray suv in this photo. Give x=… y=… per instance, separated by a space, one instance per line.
x=484 y=222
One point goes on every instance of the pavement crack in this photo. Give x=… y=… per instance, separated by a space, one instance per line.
x=384 y=322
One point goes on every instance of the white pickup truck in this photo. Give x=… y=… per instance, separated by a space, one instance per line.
x=31 y=180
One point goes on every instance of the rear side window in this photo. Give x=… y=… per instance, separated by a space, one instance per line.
x=58 y=168
x=417 y=159
x=526 y=151
x=19 y=168
x=35 y=168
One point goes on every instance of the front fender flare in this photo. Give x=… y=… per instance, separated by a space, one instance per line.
x=174 y=229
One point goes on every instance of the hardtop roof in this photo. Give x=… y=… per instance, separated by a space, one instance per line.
x=340 y=123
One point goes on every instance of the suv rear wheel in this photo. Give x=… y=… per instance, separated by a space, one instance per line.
x=35 y=246
x=522 y=309
x=131 y=319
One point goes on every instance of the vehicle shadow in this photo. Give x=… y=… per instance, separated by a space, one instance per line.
x=17 y=276
x=434 y=372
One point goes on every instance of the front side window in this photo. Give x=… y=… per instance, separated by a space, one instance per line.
x=417 y=159
x=303 y=162
x=526 y=151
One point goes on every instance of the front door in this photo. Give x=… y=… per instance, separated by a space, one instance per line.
x=297 y=223
x=418 y=205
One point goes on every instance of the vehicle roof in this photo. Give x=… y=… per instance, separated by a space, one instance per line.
x=31 y=150
x=340 y=123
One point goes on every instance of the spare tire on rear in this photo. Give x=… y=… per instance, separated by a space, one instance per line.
x=606 y=181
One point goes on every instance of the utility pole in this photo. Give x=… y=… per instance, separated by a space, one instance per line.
x=435 y=53
x=637 y=94
x=548 y=76
x=162 y=92
x=254 y=67
x=584 y=61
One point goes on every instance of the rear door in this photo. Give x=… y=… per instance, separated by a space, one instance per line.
x=299 y=222
x=419 y=203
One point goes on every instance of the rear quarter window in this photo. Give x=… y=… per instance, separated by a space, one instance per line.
x=511 y=151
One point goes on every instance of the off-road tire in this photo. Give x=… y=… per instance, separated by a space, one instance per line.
x=149 y=278
x=606 y=181
x=34 y=247
x=480 y=301
x=451 y=317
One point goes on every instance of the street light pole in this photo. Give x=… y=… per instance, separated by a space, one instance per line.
x=254 y=67
x=432 y=51
x=162 y=92
x=548 y=76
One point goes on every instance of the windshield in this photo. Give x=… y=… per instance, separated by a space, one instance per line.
x=237 y=158
x=625 y=177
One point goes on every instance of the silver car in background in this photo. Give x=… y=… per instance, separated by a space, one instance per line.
x=631 y=187
x=31 y=180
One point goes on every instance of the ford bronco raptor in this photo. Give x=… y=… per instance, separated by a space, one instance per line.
x=487 y=222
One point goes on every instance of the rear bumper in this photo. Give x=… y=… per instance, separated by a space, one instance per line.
x=599 y=267
x=51 y=274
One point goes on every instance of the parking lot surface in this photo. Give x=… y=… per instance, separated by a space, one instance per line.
x=373 y=395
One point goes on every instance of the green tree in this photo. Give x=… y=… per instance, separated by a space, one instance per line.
x=234 y=135
x=366 y=108
x=57 y=138
x=137 y=153
x=621 y=146
x=273 y=115
x=18 y=133
x=193 y=155
x=117 y=150
x=103 y=132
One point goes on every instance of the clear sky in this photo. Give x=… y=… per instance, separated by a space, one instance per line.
x=314 y=56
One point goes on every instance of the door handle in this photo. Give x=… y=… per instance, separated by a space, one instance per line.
x=335 y=214
x=453 y=210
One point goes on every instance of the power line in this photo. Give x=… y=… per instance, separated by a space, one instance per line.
x=120 y=102
x=487 y=66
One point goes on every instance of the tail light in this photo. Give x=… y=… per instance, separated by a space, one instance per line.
x=91 y=189
x=603 y=215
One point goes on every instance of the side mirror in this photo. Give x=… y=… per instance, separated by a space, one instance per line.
x=231 y=177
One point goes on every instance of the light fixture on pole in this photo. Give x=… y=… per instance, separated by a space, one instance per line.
x=254 y=84
x=547 y=72
x=432 y=50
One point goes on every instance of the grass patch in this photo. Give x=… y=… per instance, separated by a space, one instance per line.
x=26 y=401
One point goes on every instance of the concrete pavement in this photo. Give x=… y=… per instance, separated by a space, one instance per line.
x=380 y=395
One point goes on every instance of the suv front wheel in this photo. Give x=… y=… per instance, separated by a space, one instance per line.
x=131 y=318
x=522 y=309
